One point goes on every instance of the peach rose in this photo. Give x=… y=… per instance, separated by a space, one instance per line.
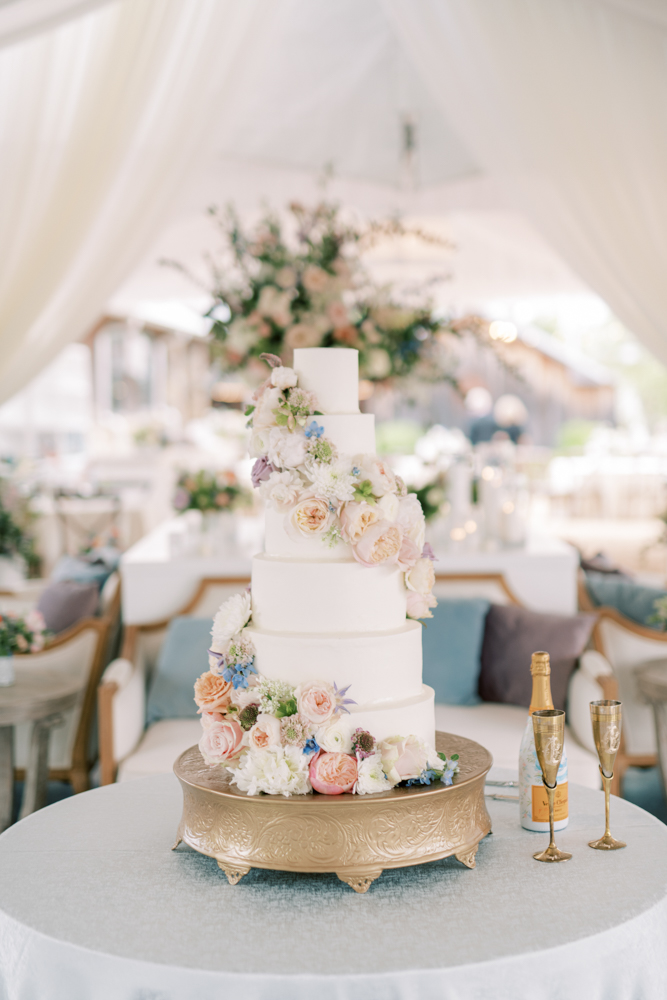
x=209 y=718
x=265 y=733
x=403 y=758
x=418 y=605
x=310 y=517
x=221 y=741
x=355 y=518
x=421 y=577
x=333 y=773
x=212 y=692
x=315 y=701
x=381 y=543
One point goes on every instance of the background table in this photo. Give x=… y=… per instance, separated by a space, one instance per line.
x=40 y=698
x=93 y=904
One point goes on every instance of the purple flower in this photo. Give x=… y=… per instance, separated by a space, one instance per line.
x=261 y=471
x=181 y=499
x=428 y=553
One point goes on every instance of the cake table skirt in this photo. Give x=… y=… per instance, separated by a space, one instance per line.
x=355 y=836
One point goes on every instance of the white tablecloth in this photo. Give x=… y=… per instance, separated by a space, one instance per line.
x=94 y=906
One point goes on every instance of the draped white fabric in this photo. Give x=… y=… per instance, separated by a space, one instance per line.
x=566 y=104
x=22 y=18
x=100 y=122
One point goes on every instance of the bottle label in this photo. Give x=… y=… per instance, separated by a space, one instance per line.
x=541 y=803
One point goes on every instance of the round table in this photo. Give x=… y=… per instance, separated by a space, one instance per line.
x=94 y=904
x=38 y=696
x=652 y=682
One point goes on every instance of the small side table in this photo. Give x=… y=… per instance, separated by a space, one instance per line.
x=652 y=682
x=40 y=697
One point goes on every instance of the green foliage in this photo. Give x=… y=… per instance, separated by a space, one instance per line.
x=206 y=490
x=574 y=434
x=14 y=539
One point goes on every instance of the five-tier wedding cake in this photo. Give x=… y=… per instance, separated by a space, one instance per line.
x=315 y=678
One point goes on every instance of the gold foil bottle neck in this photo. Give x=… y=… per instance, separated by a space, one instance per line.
x=539 y=664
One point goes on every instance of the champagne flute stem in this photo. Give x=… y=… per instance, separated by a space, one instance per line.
x=607 y=789
x=550 y=796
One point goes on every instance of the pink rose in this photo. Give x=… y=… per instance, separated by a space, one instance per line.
x=316 y=701
x=381 y=543
x=418 y=604
x=403 y=758
x=221 y=741
x=212 y=692
x=408 y=554
x=209 y=718
x=265 y=733
x=333 y=773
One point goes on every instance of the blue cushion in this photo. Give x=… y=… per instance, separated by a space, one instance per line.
x=183 y=657
x=96 y=567
x=631 y=599
x=452 y=645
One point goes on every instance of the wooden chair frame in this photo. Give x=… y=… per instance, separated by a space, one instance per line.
x=78 y=774
x=107 y=689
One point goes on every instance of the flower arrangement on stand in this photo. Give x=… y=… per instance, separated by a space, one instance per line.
x=304 y=285
x=210 y=491
x=22 y=634
x=277 y=739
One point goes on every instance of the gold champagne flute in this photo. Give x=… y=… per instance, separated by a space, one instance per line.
x=549 y=730
x=606 y=720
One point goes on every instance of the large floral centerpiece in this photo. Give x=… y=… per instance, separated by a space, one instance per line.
x=210 y=491
x=278 y=739
x=303 y=284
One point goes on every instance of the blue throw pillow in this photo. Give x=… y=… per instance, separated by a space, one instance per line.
x=631 y=599
x=95 y=567
x=183 y=657
x=452 y=646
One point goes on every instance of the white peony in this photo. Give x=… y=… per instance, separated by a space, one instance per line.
x=421 y=577
x=370 y=776
x=282 y=489
x=333 y=481
x=263 y=415
x=356 y=517
x=230 y=619
x=336 y=735
x=283 y=378
x=388 y=504
x=259 y=442
x=286 y=449
x=381 y=477
x=411 y=520
x=274 y=771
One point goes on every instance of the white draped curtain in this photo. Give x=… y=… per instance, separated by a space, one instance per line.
x=565 y=103
x=100 y=121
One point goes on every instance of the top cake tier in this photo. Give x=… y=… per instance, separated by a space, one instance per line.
x=332 y=374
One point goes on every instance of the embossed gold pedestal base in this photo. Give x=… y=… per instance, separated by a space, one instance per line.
x=355 y=836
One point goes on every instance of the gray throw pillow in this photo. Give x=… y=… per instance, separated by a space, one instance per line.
x=66 y=602
x=512 y=635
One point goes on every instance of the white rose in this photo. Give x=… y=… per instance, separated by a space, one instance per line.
x=388 y=504
x=230 y=619
x=310 y=517
x=370 y=776
x=287 y=449
x=381 y=477
x=281 y=489
x=336 y=736
x=259 y=442
x=263 y=415
x=283 y=378
x=265 y=733
x=421 y=577
x=411 y=519
x=355 y=517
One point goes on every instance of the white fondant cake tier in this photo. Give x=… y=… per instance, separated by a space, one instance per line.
x=332 y=374
x=278 y=543
x=379 y=668
x=353 y=434
x=302 y=596
x=408 y=717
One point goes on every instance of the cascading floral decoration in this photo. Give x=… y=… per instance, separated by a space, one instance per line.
x=304 y=285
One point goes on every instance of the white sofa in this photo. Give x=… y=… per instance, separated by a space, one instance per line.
x=129 y=750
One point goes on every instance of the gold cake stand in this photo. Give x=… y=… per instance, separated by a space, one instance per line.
x=355 y=836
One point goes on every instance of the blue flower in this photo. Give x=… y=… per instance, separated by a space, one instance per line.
x=356 y=471
x=425 y=778
x=219 y=657
x=312 y=430
x=446 y=778
x=311 y=746
x=238 y=673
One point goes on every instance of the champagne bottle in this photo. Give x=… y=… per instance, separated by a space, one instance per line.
x=533 y=801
